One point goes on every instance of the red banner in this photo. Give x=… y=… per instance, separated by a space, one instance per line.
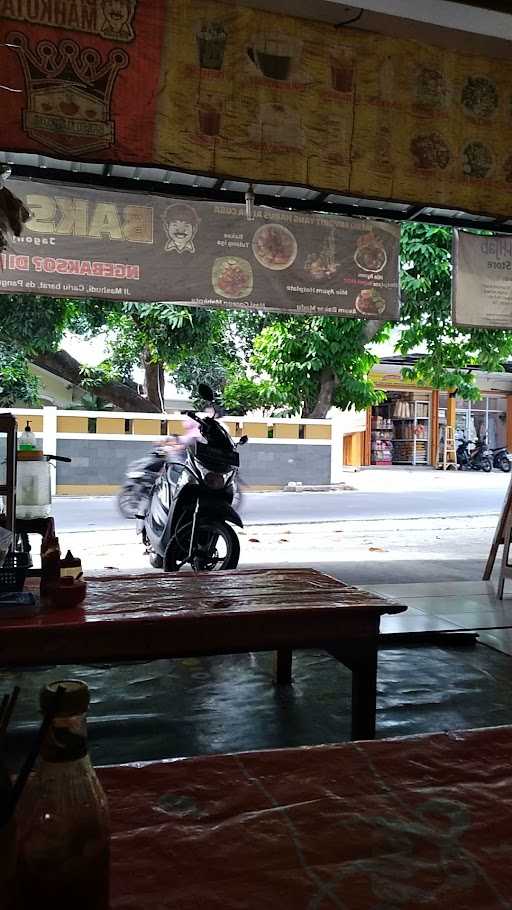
x=87 y=72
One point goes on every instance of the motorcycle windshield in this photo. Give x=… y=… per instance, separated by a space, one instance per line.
x=216 y=459
x=217 y=436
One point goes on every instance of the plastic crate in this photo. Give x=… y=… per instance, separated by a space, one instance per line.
x=14 y=571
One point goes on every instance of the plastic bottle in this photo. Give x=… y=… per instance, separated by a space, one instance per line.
x=33 y=485
x=27 y=441
x=63 y=825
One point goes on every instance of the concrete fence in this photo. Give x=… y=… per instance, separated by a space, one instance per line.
x=102 y=445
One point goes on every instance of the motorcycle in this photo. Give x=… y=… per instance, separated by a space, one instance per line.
x=185 y=508
x=478 y=459
x=135 y=494
x=501 y=459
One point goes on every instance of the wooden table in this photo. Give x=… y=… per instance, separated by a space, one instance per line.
x=147 y=617
x=387 y=825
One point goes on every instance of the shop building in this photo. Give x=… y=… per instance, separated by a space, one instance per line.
x=406 y=427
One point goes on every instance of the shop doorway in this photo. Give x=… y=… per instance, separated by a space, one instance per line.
x=401 y=429
x=486 y=418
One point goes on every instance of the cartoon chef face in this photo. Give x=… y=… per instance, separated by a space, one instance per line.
x=118 y=15
x=181 y=224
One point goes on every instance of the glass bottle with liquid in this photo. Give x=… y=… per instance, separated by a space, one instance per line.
x=63 y=826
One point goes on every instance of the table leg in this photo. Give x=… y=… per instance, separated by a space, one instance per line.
x=362 y=661
x=283 y=666
x=364 y=696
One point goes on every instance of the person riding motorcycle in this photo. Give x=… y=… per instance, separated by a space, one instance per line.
x=135 y=496
x=175 y=446
x=176 y=450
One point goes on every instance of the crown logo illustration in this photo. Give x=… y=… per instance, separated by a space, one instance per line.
x=69 y=91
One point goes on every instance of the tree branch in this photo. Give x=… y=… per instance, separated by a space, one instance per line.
x=118 y=393
x=371 y=328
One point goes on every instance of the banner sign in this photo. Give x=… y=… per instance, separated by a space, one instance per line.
x=212 y=87
x=92 y=243
x=482 y=281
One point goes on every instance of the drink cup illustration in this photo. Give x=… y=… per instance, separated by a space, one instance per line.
x=342 y=70
x=275 y=55
x=209 y=121
x=211 y=44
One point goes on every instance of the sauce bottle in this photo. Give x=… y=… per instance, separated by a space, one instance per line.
x=63 y=844
x=50 y=564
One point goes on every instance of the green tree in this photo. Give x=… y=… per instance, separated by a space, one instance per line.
x=16 y=381
x=316 y=362
x=242 y=395
x=448 y=352
x=151 y=335
x=205 y=367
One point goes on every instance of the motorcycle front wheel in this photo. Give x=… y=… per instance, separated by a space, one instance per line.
x=504 y=464
x=128 y=502
x=217 y=547
x=486 y=465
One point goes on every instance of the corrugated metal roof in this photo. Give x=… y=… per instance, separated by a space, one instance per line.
x=179 y=183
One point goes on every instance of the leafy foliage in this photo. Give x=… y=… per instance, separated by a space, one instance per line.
x=17 y=383
x=33 y=324
x=242 y=395
x=448 y=351
x=90 y=402
x=296 y=352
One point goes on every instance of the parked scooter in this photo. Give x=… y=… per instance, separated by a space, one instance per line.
x=477 y=459
x=501 y=459
x=185 y=508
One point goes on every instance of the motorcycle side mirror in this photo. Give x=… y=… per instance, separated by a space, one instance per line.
x=206 y=393
x=243 y=440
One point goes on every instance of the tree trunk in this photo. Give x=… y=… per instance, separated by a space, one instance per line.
x=118 y=393
x=154 y=382
x=329 y=380
x=325 y=396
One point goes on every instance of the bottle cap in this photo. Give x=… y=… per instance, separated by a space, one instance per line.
x=74 y=700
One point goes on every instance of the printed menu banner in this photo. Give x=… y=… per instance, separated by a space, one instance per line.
x=482 y=285
x=214 y=88
x=92 y=243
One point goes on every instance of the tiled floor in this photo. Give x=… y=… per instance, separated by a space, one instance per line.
x=164 y=709
x=451 y=606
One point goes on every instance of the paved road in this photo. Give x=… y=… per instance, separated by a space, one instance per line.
x=289 y=508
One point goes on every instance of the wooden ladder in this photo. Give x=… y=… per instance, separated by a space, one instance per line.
x=447 y=454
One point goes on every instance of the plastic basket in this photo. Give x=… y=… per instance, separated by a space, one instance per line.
x=14 y=571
